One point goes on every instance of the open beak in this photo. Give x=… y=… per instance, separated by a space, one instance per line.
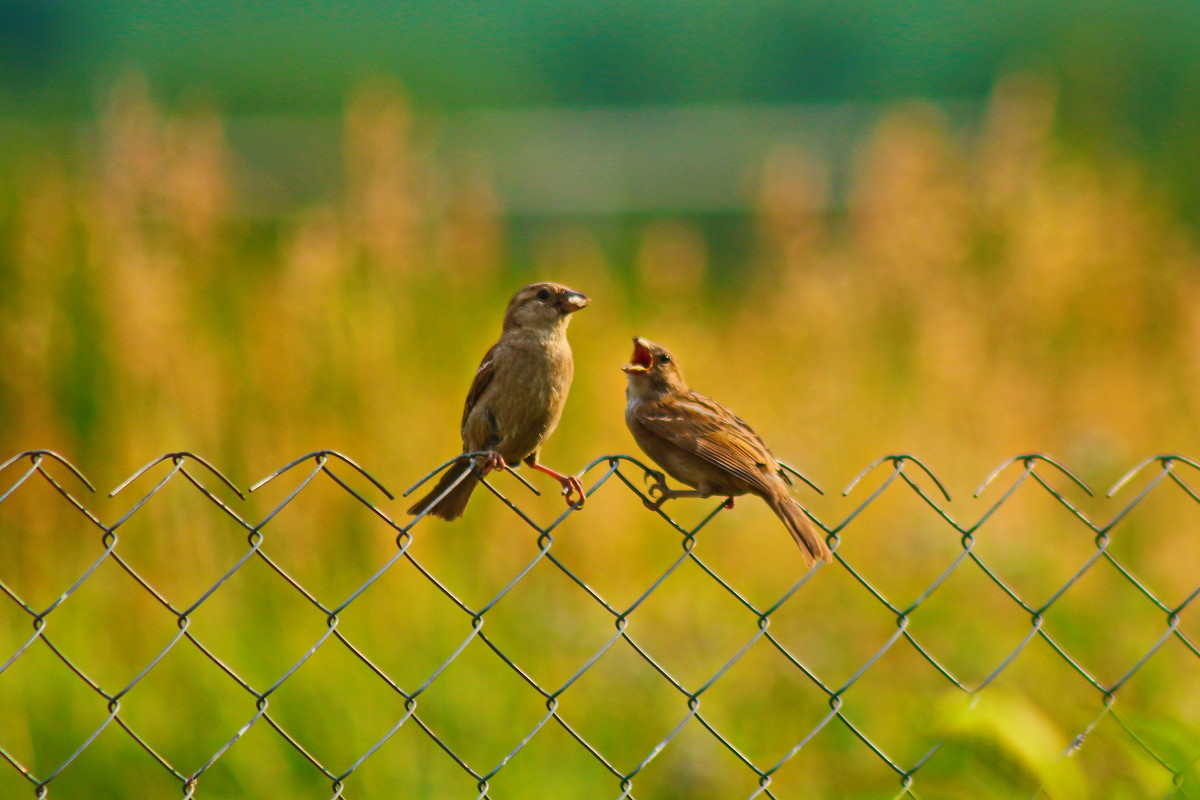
x=572 y=301
x=642 y=359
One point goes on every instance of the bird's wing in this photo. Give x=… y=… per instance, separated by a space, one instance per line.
x=706 y=428
x=483 y=376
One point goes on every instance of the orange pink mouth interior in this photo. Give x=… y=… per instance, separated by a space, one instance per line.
x=641 y=356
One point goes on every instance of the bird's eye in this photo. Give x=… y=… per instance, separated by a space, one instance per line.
x=664 y=359
x=543 y=294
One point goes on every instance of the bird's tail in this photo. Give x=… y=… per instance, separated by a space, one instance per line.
x=453 y=504
x=811 y=543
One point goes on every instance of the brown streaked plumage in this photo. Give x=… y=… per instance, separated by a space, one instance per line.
x=703 y=444
x=517 y=396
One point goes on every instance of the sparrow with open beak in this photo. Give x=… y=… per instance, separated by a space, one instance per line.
x=516 y=398
x=701 y=443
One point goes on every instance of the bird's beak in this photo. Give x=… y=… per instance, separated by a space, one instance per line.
x=572 y=301
x=642 y=359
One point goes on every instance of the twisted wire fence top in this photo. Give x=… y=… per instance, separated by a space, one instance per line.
x=839 y=704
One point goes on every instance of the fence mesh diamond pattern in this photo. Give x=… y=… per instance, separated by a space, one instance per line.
x=511 y=673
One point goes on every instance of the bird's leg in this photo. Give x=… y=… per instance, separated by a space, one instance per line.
x=729 y=502
x=490 y=462
x=665 y=494
x=571 y=485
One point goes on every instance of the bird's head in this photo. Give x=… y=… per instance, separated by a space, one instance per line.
x=543 y=306
x=652 y=370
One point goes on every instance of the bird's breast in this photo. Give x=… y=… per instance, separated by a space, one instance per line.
x=525 y=398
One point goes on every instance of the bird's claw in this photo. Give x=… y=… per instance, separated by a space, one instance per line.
x=571 y=487
x=660 y=479
x=658 y=488
x=490 y=462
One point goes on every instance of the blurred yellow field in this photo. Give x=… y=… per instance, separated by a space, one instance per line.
x=980 y=298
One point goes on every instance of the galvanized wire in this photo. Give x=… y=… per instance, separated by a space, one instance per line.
x=624 y=474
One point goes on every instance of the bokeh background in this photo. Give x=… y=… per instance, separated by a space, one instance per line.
x=256 y=229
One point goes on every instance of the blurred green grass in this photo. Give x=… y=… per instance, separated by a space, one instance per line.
x=980 y=298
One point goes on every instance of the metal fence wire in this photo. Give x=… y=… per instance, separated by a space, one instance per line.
x=752 y=620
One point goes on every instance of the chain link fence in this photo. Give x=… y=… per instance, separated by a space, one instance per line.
x=413 y=716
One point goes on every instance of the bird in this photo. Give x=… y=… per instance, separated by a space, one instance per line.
x=516 y=398
x=703 y=444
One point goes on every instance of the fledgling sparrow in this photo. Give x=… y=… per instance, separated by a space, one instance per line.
x=701 y=443
x=517 y=396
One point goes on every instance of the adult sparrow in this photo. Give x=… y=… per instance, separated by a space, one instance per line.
x=701 y=443
x=516 y=398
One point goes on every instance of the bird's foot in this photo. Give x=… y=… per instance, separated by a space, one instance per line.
x=572 y=487
x=490 y=462
x=659 y=478
x=729 y=502
x=659 y=488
